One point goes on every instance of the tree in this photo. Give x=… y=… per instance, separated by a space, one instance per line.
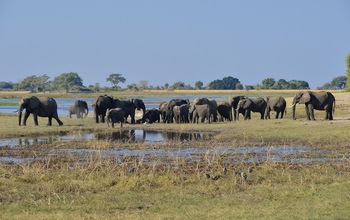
x=239 y=86
x=339 y=82
x=268 y=83
x=144 y=84
x=226 y=83
x=67 y=81
x=282 y=84
x=34 y=83
x=348 y=72
x=198 y=85
x=115 y=79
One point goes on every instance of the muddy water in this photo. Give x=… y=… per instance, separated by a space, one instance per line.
x=24 y=150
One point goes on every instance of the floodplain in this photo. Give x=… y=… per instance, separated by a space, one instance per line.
x=296 y=169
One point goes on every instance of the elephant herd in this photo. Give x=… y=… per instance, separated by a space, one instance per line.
x=112 y=110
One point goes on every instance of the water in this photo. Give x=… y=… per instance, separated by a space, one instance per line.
x=15 y=147
x=128 y=135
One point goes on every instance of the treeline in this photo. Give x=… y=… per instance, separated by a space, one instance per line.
x=72 y=82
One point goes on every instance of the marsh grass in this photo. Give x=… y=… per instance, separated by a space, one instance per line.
x=60 y=184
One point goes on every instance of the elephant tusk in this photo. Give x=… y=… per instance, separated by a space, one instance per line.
x=292 y=105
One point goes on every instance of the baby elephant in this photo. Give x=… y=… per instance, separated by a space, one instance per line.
x=115 y=115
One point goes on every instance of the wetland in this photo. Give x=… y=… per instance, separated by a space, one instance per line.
x=144 y=171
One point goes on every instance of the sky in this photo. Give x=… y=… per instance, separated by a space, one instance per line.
x=169 y=41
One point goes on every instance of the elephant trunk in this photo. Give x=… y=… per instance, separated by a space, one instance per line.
x=87 y=112
x=20 y=115
x=293 y=106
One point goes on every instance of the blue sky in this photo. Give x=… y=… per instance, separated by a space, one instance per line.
x=169 y=41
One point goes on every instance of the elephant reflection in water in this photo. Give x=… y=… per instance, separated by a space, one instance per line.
x=175 y=136
x=122 y=135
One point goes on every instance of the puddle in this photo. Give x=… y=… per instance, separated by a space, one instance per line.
x=124 y=135
x=24 y=150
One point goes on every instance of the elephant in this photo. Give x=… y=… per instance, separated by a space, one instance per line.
x=115 y=115
x=38 y=106
x=213 y=106
x=277 y=104
x=200 y=111
x=170 y=106
x=246 y=106
x=225 y=111
x=101 y=104
x=181 y=113
x=79 y=109
x=129 y=107
x=233 y=101
x=322 y=100
x=151 y=116
x=163 y=110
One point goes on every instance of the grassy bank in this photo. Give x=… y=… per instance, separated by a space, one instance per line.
x=128 y=187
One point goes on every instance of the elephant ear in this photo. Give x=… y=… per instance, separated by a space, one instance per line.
x=305 y=98
x=34 y=102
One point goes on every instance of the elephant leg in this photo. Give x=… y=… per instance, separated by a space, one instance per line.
x=312 y=112
x=26 y=115
x=277 y=114
x=35 y=119
x=307 y=112
x=58 y=120
x=246 y=114
x=96 y=118
x=49 y=121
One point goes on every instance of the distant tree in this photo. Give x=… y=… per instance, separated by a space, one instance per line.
x=133 y=87
x=339 y=82
x=144 y=84
x=34 y=83
x=348 y=72
x=299 y=84
x=6 y=85
x=198 y=85
x=67 y=81
x=115 y=79
x=268 y=83
x=180 y=85
x=224 y=84
x=239 y=86
x=282 y=84
x=166 y=85
x=325 y=86
x=249 y=87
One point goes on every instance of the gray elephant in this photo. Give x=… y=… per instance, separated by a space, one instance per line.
x=200 y=111
x=101 y=104
x=174 y=102
x=213 y=106
x=163 y=110
x=79 y=108
x=277 y=104
x=42 y=107
x=129 y=107
x=246 y=106
x=233 y=101
x=181 y=113
x=151 y=116
x=225 y=111
x=115 y=115
x=323 y=101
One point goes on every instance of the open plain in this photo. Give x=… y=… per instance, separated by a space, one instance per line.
x=296 y=169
